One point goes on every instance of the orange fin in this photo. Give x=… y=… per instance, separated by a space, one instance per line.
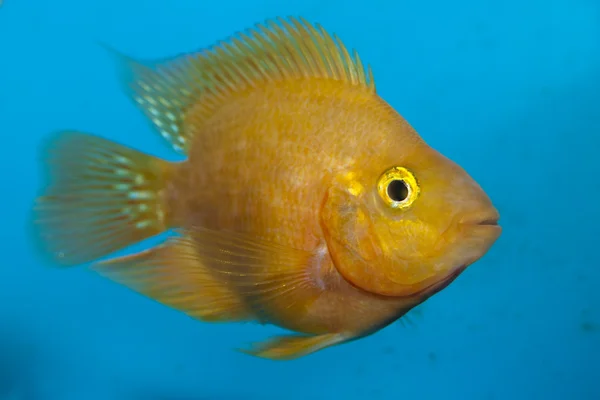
x=275 y=280
x=289 y=347
x=173 y=275
x=283 y=49
x=101 y=197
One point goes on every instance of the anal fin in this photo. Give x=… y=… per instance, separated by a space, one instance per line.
x=288 y=347
x=173 y=275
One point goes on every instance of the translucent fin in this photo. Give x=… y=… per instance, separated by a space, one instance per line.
x=284 y=49
x=173 y=275
x=273 y=279
x=101 y=197
x=294 y=346
x=162 y=101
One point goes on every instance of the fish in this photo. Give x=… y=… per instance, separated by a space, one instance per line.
x=302 y=199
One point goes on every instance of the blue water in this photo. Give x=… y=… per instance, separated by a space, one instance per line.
x=509 y=89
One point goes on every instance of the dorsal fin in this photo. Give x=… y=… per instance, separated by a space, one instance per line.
x=278 y=50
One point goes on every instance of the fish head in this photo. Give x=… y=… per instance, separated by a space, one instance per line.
x=407 y=224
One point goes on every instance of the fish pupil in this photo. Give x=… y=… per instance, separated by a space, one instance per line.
x=397 y=190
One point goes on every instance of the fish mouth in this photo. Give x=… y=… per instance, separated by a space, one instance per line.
x=481 y=225
x=488 y=222
x=485 y=218
x=477 y=233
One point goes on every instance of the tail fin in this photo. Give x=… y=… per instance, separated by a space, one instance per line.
x=101 y=197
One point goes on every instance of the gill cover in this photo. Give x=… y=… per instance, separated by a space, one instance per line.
x=360 y=244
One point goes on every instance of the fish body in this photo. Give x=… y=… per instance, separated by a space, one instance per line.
x=304 y=200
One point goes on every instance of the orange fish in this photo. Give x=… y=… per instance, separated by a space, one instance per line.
x=304 y=200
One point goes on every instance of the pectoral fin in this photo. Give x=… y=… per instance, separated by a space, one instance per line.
x=225 y=276
x=273 y=279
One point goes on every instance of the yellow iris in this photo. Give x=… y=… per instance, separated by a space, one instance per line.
x=398 y=188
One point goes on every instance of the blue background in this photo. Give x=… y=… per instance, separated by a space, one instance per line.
x=509 y=89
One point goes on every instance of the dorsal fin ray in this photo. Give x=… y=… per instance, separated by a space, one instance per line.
x=283 y=49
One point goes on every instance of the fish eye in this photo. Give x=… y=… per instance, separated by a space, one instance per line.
x=398 y=188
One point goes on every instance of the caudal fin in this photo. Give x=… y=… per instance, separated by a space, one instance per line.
x=101 y=197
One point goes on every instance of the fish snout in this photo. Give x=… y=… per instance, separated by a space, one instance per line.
x=479 y=229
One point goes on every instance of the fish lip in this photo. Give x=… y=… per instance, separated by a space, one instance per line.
x=488 y=222
x=487 y=218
